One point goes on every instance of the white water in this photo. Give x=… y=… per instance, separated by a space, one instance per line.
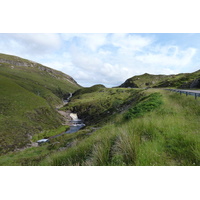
x=74 y=116
x=77 y=123
x=70 y=95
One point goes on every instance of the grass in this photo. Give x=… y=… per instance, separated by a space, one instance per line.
x=167 y=135
x=49 y=133
x=145 y=80
x=125 y=148
x=28 y=157
x=160 y=137
x=28 y=95
x=175 y=81
x=97 y=103
x=22 y=114
x=146 y=104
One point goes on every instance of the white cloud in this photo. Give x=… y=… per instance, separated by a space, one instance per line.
x=61 y=66
x=91 y=41
x=130 y=42
x=135 y=55
x=104 y=52
x=27 y=44
x=47 y=40
x=100 y=58
x=168 y=56
x=86 y=62
x=94 y=41
x=60 y=62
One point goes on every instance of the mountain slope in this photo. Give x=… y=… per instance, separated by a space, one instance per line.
x=39 y=79
x=28 y=93
x=183 y=80
x=145 y=80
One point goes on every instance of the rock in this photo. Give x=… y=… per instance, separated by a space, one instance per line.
x=129 y=83
x=18 y=63
x=34 y=144
x=62 y=148
x=195 y=83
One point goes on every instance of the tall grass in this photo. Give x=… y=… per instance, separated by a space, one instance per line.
x=167 y=135
x=101 y=152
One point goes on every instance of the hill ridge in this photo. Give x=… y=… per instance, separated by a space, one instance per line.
x=18 y=61
x=181 y=80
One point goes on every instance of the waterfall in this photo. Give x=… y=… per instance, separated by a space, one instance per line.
x=74 y=117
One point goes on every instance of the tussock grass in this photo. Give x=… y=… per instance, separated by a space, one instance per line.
x=101 y=152
x=125 y=149
x=80 y=154
x=166 y=135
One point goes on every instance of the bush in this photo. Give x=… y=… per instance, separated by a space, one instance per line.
x=147 y=104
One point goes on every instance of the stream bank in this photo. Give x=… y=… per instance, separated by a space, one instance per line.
x=70 y=119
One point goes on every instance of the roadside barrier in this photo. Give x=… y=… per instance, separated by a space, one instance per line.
x=187 y=92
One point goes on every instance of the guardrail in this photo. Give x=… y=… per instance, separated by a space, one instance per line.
x=195 y=94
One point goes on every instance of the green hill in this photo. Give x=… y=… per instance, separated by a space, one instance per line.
x=157 y=128
x=184 y=80
x=29 y=92
x=97 y=103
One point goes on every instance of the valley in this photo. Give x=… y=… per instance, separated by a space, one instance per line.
x=138 y=123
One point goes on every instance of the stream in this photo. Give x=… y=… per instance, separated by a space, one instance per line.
x=77 y=124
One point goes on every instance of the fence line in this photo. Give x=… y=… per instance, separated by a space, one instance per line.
x=195 y=94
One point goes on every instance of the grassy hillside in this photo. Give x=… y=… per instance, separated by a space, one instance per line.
x=28 y=95
x=158 y=128
x=187 y=80
x=42 y=81
x=145 y=80
x=97 y=102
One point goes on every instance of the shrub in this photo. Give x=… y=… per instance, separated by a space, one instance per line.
x=147 y=104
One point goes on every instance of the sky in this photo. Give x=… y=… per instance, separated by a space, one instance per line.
x=107 y=58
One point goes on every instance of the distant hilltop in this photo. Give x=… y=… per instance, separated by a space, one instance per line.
x=183 y=80
x=15 y=61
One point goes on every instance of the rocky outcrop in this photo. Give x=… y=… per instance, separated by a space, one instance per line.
x=19 y=63
x=128 y=84
x=27 y=63
x=195 y=83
